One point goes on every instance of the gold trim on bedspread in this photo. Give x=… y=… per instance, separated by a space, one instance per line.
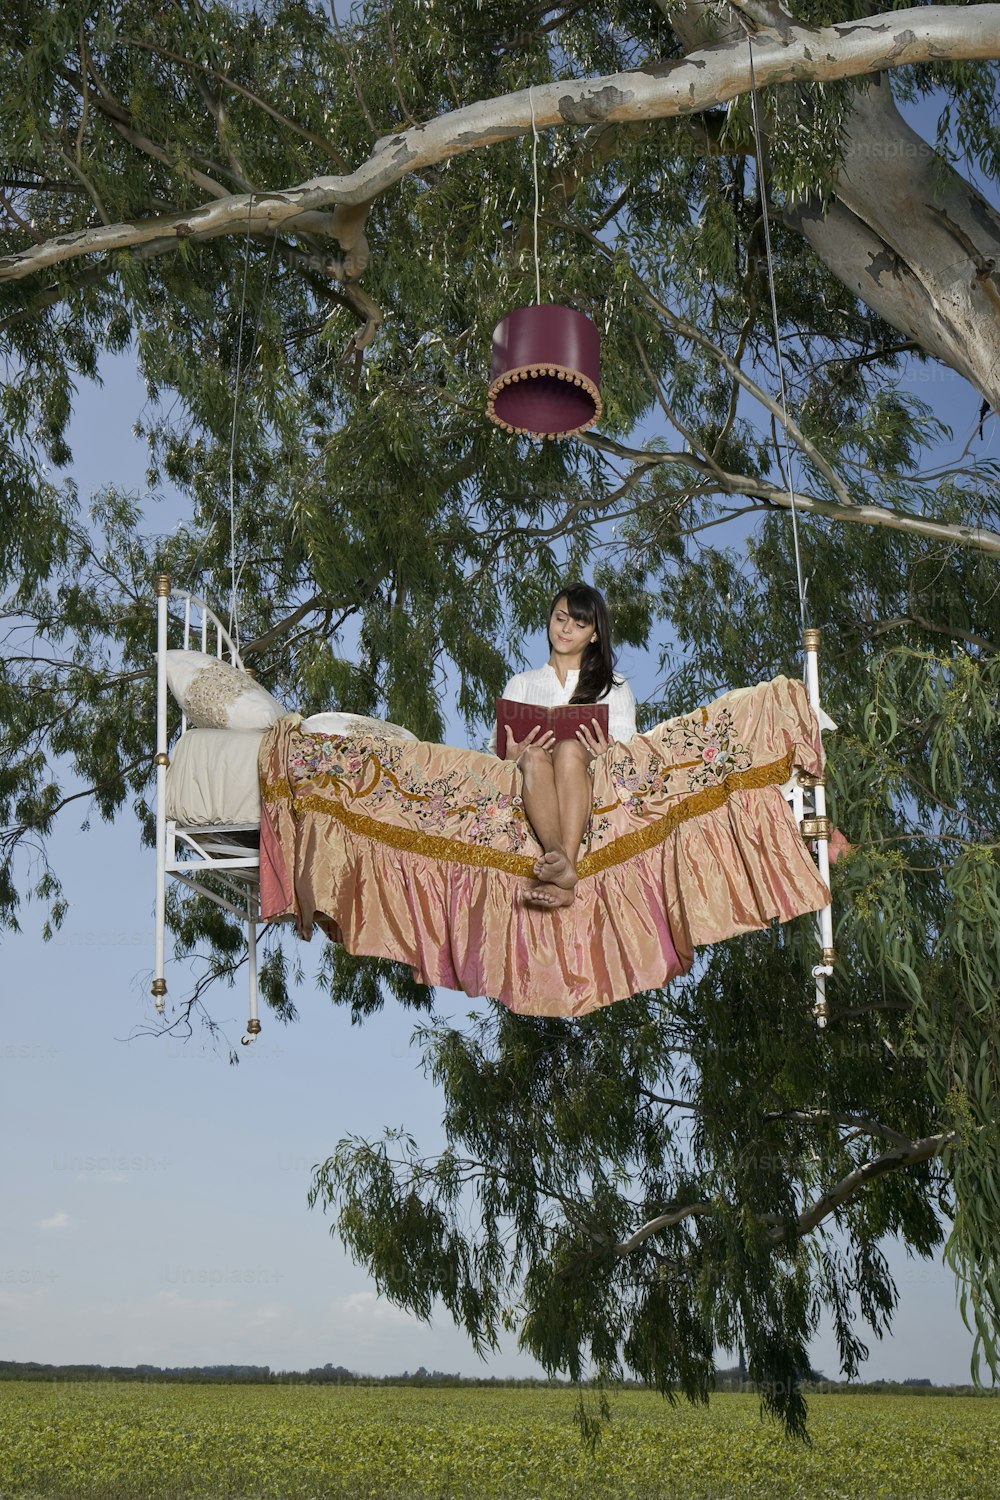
x=457 y=852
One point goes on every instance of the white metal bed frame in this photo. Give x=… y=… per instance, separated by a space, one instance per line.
x=229 y=853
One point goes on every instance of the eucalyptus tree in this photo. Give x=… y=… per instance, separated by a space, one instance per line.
x=303 y=226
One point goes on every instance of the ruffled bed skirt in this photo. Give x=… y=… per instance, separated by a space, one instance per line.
x=421 y=852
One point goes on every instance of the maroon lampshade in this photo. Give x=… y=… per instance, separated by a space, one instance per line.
x=545 y=371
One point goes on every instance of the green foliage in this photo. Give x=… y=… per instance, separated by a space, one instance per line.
x=393 y=552
x=68 y=1440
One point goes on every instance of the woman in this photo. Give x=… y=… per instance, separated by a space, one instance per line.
x=557 y=791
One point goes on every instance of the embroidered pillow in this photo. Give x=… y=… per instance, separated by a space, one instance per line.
x=216 y=695
x=337 y=723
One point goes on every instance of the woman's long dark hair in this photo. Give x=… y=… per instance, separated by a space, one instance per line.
x=597 y=669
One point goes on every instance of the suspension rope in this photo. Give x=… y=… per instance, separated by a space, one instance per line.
x=820 y=823
x=236 y=573
x=534 y=170
x=776 y=331
x=234 y=623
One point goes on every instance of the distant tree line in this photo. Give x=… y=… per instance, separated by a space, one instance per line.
x=735 y=1379
x=328 y=1374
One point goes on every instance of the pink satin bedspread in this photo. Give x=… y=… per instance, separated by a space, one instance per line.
x=421 y=852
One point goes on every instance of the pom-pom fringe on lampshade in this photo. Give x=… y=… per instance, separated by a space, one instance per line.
x=545 y=371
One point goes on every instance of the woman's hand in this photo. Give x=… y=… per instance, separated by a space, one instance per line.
x=542 y=740
x=592 y=738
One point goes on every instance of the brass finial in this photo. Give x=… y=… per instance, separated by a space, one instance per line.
x=253 y=1026
x=811 y=638
x=158 y=988
x=162 y=585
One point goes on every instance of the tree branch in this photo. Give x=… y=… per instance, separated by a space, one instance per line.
x=682 y=87
x=909 y=1155
x=157 y=153
x=851 y=1122
x=764 y=14
x=8 y=208
x=11 y=836
x=876 y=515
x=953 y=632
x=262 y=642
x=667 y=1099
x=691 y=332
x=92 y=193
x=662 y=1221
x=866 y=515
x=359 y=95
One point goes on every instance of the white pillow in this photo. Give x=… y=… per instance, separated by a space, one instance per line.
x=215 y=695
x=337 y=723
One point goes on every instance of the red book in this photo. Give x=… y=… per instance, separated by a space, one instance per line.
x=563 y=721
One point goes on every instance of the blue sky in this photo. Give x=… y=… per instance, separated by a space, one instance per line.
x=155 y=1198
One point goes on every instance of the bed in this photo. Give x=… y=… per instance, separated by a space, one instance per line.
x=207 y=801
x=704 y=827
x=208 y=805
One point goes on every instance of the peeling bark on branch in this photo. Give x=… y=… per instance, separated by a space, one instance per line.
x=688 y=86
x=915 y=241
x=905 y=233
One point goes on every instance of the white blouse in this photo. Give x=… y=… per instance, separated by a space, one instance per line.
x=543 y=688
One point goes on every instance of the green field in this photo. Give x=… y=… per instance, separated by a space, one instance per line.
x=64 y=1441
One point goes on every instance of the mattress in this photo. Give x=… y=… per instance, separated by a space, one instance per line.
x=212 y=777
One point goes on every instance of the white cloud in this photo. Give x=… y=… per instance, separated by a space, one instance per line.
x=172 y=1308
x=58 y=1220
x=362 y=1309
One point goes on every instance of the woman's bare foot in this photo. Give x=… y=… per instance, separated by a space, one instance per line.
x=554 y=868
x=547 y=897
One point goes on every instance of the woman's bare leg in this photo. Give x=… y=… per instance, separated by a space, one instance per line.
x=540 y=798
x=557 y=801
x=575 y=790
x=541 y=808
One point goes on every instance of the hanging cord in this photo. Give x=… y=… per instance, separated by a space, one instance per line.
x=234 y=623
x=254 y=351
x=234 y=589
x=810 y=638
x=762 y=185
x=534 y=170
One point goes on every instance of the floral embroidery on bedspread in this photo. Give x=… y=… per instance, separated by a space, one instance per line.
x=381 y=778
x=465 y=807
x=378 y=774
x=700 y=752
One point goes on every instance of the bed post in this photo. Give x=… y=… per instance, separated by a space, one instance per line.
x=817 y=828
x=161 y=761
x=253 y=1025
